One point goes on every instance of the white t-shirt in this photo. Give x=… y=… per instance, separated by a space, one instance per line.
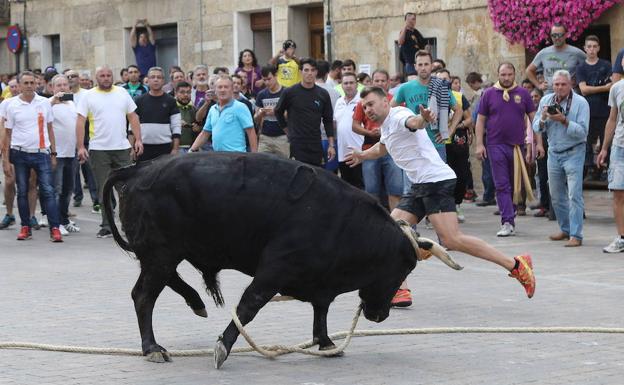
x=106 y=111
x=64 y=126
x=23 y=119
x=345 y=137
x=3 y=107
x=616 y=99
x=413 y=151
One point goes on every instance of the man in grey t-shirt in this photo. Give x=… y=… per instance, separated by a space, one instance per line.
x=559 y=56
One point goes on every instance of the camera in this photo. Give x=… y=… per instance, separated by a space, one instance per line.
x=554 y=109
x=66 y=97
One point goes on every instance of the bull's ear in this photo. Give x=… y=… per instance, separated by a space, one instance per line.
x=301 y=182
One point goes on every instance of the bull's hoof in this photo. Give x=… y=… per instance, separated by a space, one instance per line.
x=220 y=354
x=201 y=312
x=158 y=357
x=330 y=347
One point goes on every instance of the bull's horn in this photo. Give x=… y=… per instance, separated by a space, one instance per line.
x=424 y=246
x=438 y=251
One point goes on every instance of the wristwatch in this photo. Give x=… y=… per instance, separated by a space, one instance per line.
x=53 y=153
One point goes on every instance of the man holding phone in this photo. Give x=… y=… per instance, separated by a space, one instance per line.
x=272 y=139
x=564 y=117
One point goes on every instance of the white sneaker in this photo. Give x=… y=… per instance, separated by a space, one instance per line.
x=43 y=222
x=617 y=246
x=72 y=228
x=506 y=230
x=63 y=230
x=461 y=218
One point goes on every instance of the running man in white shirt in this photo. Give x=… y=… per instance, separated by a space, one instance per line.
x=433 y=184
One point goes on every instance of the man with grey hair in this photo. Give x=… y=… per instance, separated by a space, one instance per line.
x=159 y=117
x=108 y=106
x=564 y=117
x=64 y=126
x=200 y=84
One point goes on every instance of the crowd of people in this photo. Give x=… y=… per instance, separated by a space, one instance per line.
x=411 y=139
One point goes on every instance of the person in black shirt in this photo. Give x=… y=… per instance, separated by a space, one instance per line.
x=307 y=104
x=411 y=41
x=594 y=79
x=160 y=118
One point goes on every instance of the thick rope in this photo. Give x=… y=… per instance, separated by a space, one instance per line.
x=273 y=351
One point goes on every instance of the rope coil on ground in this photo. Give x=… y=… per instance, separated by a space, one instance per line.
x=273 y=351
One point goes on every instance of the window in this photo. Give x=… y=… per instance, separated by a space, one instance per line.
x=261 y=29
x=51 y=51
x=166 y=37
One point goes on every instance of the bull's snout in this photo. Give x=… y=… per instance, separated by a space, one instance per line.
x=375 y=316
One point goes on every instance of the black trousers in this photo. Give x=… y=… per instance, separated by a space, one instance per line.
x=351 y=175
x=151 y=151
x=457 y=156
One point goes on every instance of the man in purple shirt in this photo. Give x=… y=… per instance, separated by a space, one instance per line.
x=144 y=47
x=505 y=107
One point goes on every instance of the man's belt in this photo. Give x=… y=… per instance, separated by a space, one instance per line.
x=31 y=150
x=567 y=149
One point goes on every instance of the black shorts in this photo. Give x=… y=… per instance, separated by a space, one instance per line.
x=429 y=198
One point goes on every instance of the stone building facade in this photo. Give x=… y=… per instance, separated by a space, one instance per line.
x=82 y=34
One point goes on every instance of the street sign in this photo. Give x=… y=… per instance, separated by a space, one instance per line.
x=14 y=39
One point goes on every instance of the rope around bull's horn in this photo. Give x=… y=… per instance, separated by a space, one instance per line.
x=276 y=350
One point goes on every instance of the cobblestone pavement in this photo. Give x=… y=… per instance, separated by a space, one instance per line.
x=78 y=293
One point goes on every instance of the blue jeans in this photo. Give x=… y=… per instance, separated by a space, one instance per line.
x=329 y=165
x=382 y=172
x=89 y=180
x=565 y=178
x=64 y=185
x=42 y=164
x=488 y=180
x=409 y=68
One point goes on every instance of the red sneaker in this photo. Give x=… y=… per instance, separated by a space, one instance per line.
x=402 y=298
x=55 y=235
x=524 y=274
x=24 y=233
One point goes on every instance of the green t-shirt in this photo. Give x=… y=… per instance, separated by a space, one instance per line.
x=414 y=94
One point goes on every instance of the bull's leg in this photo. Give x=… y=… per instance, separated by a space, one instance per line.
x=257 y=294
x=192 y=298
x=319 y=330
x=144 y=294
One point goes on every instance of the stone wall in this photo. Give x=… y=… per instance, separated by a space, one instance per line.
x=94 y=32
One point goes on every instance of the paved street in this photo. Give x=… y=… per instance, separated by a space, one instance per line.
x=78 y=293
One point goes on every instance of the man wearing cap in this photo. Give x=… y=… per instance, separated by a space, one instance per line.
x=287 y=65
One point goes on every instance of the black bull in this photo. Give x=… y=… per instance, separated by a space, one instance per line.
x=298 y=230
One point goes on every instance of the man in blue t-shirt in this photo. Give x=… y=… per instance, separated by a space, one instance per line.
x=273 y=139
x=227 y=122
x=144 y=47
x=594 y=79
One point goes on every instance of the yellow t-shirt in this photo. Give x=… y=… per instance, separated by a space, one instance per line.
x=6 y=93
x=288 y=72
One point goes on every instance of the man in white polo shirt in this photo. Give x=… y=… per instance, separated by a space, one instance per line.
x=345 y=137
x=433 y=185
x=107 y=106
x=30 y=139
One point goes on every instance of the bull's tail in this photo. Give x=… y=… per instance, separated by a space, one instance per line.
x=116 y=176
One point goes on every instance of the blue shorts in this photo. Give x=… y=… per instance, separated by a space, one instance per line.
x=616 y=168
x=382 y=172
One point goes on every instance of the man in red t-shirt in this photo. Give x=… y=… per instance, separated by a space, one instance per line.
x=379 y=174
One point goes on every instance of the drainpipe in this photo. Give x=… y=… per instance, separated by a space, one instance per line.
x=328 y=33
x=201 y=31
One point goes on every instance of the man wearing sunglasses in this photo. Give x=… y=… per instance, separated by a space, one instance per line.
x=559 y=56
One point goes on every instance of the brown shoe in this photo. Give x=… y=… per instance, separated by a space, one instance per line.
x=573 y=242
x=560 y=236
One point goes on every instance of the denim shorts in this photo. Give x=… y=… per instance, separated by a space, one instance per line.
x=382 y=172
x=616 y=168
